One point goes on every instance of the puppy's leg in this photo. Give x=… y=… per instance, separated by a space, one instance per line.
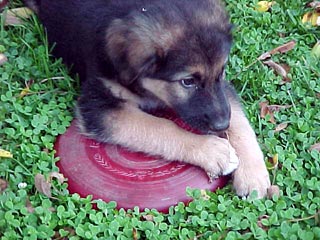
x=252 y=173
x=130 y=127
x=139 y=131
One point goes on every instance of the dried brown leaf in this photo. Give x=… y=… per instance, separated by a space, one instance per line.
x=312 y=18
x=135 y=234
x=42 y=185
x=15 y=16
x=266 y=109
x=314 y=4
x=264 y=56
x=57 y=176
x=284 y=48
x=3 y=185
x=277 y=108
x=71 y=231
x=259 y=223
x=315 y=147
x=29 y=206
x=204 y=194
x=279 y=69
x=148 y=217
x=287 y=68
x=274 y=161
x=281 y=127
x=281 y=49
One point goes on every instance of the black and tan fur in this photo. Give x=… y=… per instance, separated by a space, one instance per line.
x=134 y=56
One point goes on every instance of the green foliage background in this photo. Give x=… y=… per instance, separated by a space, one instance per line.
x=30 y=124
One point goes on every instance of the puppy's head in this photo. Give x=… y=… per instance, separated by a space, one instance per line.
x=176 y=54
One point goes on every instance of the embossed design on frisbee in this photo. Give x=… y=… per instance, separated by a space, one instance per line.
x=136 y=166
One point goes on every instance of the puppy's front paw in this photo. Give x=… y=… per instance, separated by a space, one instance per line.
x=217 y=157
x=253 y=177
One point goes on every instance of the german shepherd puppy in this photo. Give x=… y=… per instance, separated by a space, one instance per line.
x=134 y=56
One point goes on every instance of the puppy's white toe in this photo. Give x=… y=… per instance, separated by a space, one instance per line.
x=233 y=162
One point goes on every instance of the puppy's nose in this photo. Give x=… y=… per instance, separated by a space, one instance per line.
x=220 y=125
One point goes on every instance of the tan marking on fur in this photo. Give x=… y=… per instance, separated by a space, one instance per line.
x=140 y=39
x=140 y=131
x=252 y=173
x=209 y=72
x=166 y=91
x=180 y=93
x=214 y=15
x=159 y=88
x=157 y=32
x=148 y=38
x=121 y=92
x=201 y=69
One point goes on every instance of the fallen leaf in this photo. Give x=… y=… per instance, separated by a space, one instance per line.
x=58 y=176
x=42 y=185
x=46 y=150
x=287 y=68
x=273 y=190
x=281 y=49
x=26 y=90
x=281 y=127
x=315 y=147
x=314 y=4
x=3 y=59
x=266 y=109
x=277 y=108
x=274 y=161
x=148 y=217
x=3 y=185
x=279 y=69
x=259 y=223
x=284 y=48
x=5 y=154
x=312 y=18
x=316 y=50
x=135 y=234
x=29 y=206
x=58 y=236
x=264 y=6
x=204 y=194
x=15 y=16
x=264 y=56
x=263 y=108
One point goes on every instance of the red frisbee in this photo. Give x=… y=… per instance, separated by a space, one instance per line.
x=3 y=3
x=112 y=173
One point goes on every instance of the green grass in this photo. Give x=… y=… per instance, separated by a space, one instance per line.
x=30 y=124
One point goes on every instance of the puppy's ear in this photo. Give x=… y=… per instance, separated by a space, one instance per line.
x=135 y=47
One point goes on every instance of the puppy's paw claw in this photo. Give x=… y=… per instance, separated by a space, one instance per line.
x=212 y=177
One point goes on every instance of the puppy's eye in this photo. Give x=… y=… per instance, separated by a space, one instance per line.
x=188 y=82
